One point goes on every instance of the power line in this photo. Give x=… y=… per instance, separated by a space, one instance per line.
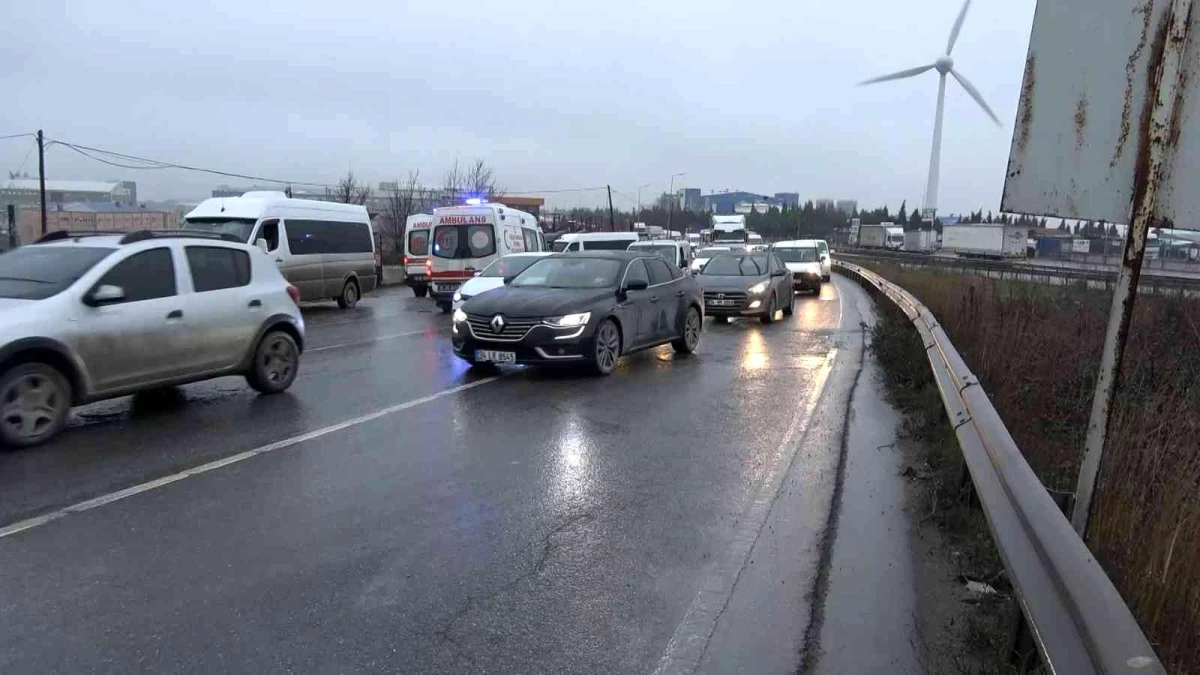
x=5 y=138
x=155 y=164
x=159 y=164
x=26 y=158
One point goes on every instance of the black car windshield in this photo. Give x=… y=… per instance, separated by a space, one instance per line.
x=238 y=227
x=509 y=266
x=570 y=273
x=38 y=272
x=797 y=255
x=729 y=265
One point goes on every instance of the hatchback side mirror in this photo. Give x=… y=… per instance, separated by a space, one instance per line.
x=508 y=280
x=261 y=244
x=778 y=273
x=105 y=294
x=637 y=285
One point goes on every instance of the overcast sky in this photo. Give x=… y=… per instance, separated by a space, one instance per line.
x=758 y=95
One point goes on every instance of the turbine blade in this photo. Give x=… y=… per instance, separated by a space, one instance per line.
x=975 y=95
x=900 y=75
x=962 y=15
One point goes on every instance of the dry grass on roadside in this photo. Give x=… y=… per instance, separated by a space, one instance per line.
x=1036 y=349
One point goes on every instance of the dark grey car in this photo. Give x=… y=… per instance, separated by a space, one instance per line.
x=746 y=284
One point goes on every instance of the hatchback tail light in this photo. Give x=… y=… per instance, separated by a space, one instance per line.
x=429 y=267
x=294 y=293
x=404 y=260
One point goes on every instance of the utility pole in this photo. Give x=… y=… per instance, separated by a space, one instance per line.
x=12 y=227
x=612 y=223
x=671 y=201
x=42 y=175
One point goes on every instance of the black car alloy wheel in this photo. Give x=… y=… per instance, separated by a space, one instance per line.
x=608 y=347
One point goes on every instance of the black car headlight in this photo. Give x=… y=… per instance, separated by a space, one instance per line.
x=569 y=320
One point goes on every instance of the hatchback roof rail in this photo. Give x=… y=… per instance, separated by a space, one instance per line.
x=59 y=235
x=143 y=235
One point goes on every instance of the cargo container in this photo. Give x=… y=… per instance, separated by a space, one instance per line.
x=985 y=241
x=1049 y=247
x=872 y=236
x=920 y=241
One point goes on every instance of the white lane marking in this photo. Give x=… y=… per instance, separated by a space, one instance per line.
x=97 y=502
x=367 y=342
x=686 y=648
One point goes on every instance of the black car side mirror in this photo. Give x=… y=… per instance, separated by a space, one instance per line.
x=508 y=280
x=637 y=285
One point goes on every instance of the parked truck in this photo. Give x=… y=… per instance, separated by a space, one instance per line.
x=985 y=241
x=920 y=241
x=872 y=236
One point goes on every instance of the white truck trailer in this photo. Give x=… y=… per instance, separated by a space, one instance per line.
x=985 y=241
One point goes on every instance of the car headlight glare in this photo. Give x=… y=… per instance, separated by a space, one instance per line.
x=458 y=296
x=460 y=316
x=570 y=320
x=759 y=288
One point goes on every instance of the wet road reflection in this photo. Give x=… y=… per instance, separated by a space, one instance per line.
x=544 y=521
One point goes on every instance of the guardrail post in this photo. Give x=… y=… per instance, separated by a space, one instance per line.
x=1156 y=140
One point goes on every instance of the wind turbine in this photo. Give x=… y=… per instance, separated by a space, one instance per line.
x=944 y=65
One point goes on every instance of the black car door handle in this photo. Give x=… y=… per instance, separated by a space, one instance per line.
x=654 y=298
x=176 y=314
x=679 y=294
x=256 y=303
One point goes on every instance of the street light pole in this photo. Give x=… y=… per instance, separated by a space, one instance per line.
x=671 y=203
x=639 y=201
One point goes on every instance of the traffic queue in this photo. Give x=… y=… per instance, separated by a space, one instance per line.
x=588 y=299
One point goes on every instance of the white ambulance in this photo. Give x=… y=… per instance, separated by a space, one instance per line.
x=416 y=252
x=465 y=239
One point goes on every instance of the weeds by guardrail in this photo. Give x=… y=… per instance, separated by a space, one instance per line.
x=1077 y=619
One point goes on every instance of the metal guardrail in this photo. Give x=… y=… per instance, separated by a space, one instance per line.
x=1076 y=617
x=1153 y=280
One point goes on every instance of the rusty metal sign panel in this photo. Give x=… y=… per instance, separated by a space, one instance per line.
x=1083 y=123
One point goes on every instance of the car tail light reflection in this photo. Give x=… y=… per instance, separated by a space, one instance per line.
x=294 y=293
x=404 y=260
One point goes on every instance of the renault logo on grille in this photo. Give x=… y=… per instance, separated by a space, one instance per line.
x=497 y=324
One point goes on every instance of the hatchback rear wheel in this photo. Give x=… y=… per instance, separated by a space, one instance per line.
x=34 y=401
x=276 y=362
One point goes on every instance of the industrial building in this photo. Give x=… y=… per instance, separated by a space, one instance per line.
x=26 y=192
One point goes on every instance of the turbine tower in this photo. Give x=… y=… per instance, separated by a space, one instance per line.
x=945 y=66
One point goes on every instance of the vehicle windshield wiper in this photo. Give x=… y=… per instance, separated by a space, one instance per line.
x=35 y=281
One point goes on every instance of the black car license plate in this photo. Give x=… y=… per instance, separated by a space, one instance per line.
x=722 y=303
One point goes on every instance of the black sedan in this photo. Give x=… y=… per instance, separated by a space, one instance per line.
x=746 y=284
x=581 y=308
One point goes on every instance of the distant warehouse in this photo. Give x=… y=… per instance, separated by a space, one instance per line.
x=89 y=218
x=25 y=192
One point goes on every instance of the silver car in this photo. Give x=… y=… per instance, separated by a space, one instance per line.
x=88 y=317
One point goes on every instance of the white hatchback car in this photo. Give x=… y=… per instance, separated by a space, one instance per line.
x=493 y=276
x=90 y=316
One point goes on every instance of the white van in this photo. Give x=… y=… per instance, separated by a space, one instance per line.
x=678 y=253
x=325 y=249
x=416 y=252
x=595 y=241
x=468 y=238
x=822 y=249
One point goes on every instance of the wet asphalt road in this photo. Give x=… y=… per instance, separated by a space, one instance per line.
x=532 y=522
